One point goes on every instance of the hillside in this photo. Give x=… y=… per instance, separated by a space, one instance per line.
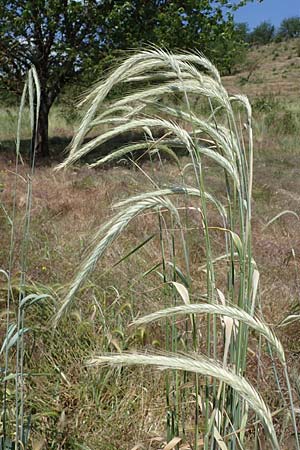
x=273 y=69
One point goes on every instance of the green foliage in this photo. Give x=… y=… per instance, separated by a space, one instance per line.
x=170 y=24
x=62 y=38
x=265 y=32
x=229 y=49
x=289 y=28
x=262 y=34
x=283 y=123
x=242 y=31
x=266 y=103
x=204 y=25
x=280 y=118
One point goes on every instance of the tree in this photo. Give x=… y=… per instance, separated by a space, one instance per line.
x=262 y=34
x=242 y=31
x=289 y=28
x=62 y=37
x=59 y=37
x=206 y=25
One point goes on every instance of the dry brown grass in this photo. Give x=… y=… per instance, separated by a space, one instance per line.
x=270 y=69
x=68 y=207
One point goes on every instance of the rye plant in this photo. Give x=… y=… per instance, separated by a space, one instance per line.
x=15 y=418
x=161 y=91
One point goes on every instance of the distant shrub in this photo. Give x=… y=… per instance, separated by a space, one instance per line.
x=298 y=48
x=283 y=123
x=266 y=103
x=289 y=28
x=262 y=34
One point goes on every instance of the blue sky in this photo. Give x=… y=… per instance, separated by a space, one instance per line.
x=269 y=10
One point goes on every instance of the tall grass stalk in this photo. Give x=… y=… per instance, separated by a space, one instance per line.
x=15 y=331
x=154 y=78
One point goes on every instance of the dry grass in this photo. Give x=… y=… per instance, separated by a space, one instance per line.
x=67 y=208
x=271 y=69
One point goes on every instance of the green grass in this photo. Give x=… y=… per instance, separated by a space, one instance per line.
x=60 y=124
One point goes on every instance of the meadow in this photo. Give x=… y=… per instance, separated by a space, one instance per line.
x=161 y=260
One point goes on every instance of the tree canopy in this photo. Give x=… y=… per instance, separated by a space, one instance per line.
x=262 y=34
x=289 y=28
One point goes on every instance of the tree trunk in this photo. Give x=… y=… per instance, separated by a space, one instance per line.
x=41 y=139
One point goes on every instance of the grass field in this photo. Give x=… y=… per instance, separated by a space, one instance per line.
x=74 y=407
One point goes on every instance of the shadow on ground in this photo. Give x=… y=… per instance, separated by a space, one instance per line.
x=59 y=149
